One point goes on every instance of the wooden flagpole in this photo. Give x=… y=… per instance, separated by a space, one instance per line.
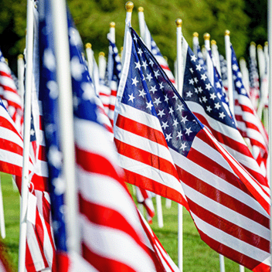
x=179 y=88
x=66 y=121
x=26 y=135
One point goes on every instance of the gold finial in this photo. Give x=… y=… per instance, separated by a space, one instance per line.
x=102 y=54
x=195 y=34
x=213 y=42
x=179 y=22
x=129 y=6
x=165 y=58
x=6 y=60
x=266 y=44
x=259 y=46
x=227 y=33
x=206 y=36
x=122 y=49
x=140 y=9
x=20 y=56
x=112 y=24
x=242 y=59
x=88 y=45
x=253 y=43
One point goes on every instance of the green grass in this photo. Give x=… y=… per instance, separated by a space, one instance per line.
x=197 y=256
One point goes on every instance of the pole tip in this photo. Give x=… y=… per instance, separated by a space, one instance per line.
x=266 y=43
x=206 y=36
x=112 y=24
x=141 y=9
x=259 y=46
x=179 y=22
x=102 y=54
x=253 y=43
x=88 y=45
x=20 y=56
x=129 y=6
x=195 y=34
x=227 y=33
x=213 y=42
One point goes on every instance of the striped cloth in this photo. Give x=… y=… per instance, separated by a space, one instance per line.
x=154 y=125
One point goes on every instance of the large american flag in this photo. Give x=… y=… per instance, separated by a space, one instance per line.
x=249 y=120
x=206 y=103
x=157 y=133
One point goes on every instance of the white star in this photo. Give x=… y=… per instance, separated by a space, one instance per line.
x=179 y=134
x=243 y=91
x=234 y=67
x=183 y=146
x=49 y=60
x=156 y=73
x=219 y=95
x=175 y=96
x=239 y=84
x=198 y=67
x=184 y=119
x=88 y=91
x=142 y=93
x=193 y=58
x=204 y=99
x=218 y=85
x=188 y=131
x=212 y=96
x=153 y=89
x=149 y=105
x=171 y=110
x=32 y=132
x=135 y=38
x=134 y=81
x=161 y=113
x=189 y=94
x=222 y=115
x=59 y=186
x=166 y=98
x=53 y=89
x=239 y=74
x=77 y=68
x=161 y=86
x=168 y=137
x=217 y=105
x=55 y=156
x=200 y=89
x=208 y=108
x=191 y=70
x=151 y=62
x=208 y=86
x=203 y=77
x=138 y=65
x=175 y=123
x=164 y=125
x=131 y=97
x=195 y=79
x=157 y=101
x=191 y=81
x=144 y=64
x=196 y=91
x=149 y=77
x=180 y=107
x=140 y=52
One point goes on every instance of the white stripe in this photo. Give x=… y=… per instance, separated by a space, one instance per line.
x=215 y=181
x=107 y=192
x=13 y=97
x=11 y=136
x=151 y=173
x=116 y=245
x=8 y=82
x=232 y=242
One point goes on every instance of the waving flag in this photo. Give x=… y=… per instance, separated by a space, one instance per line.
x=155 y=127
x=254 y=129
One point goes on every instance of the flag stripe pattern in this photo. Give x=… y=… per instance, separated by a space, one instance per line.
x=229 y=207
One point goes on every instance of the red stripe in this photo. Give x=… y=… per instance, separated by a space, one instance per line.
x=30 y=267
x=153 y=186
x=42 y=153
x=8 y=125
x=141 y=130
x=234 y=255
x=146 y=157
x=102 y=263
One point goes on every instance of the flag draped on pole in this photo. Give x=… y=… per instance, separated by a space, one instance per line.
x=163 y=147
x=251 y=124
x=112 y=235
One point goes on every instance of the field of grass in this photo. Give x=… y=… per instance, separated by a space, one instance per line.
x=197 y=256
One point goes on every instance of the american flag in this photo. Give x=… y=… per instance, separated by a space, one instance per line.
x=114 y=71
x=248 y=117
x=206 y=103
x=9 y=93
x=155 y=126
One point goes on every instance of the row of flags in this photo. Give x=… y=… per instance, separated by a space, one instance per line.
x=133 y=126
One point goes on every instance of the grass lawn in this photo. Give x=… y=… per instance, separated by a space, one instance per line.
x=197 y=256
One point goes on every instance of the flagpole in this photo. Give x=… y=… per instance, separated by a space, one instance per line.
x=215 y=55
x=195 y=42
x=26 y=135
x=89 y=54
x=228 y=59
x=141 y=22
x=102 y=65
x=179 y=88
x=66 y=121
x=269 y=10
x=266 y=55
